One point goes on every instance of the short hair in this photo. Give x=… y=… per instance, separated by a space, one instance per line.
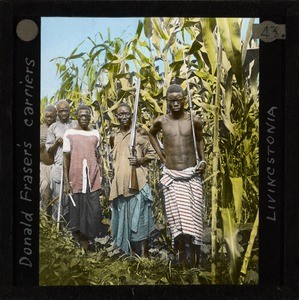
x=83 y=107
x=175 y=88
x=61 y=102
x=50 y=108
x=123 y=104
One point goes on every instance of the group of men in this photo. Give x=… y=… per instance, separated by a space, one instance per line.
x=73 y=147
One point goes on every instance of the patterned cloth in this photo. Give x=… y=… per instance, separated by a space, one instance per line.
x=184 y=205
x=132 y=219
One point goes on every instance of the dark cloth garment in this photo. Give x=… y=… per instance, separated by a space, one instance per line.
x=132 y=219
x=86 y=216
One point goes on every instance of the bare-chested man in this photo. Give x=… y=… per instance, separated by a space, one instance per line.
x=46 y=160
x=181 y=180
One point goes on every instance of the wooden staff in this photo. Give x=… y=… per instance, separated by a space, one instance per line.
x=60 y=197
x=133 y=177
x=191 y=117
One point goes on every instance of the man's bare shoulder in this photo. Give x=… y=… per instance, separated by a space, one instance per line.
x=142 y=131
x=197 y=118
x=157 y=124
x=197 y=121
x=160 y=119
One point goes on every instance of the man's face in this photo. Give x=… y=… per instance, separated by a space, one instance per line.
x=124 y=115
x=49 y=117
x=63 y=112
x=83 y=118
x=175 y=101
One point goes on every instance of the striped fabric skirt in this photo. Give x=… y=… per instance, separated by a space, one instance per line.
x=184 y=204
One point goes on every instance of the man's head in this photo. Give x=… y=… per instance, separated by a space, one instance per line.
x=175 y=98
x=63 y=111
x=50 y=115
x=83 y=113
x=124 y=114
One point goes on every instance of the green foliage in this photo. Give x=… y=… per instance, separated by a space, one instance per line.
x=60 y=262
x=64 y=262
x=105 y=76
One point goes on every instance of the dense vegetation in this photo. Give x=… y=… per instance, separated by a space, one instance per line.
x=222 y=70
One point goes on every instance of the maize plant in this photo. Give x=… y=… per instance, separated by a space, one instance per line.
x=222 y=68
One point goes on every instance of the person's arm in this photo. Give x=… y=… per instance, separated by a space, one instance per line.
x=110 y=164
x=52 y=143
x=155 y=128
x=111 y=140
x=147 y=151
x=52 y=149
x=66 y=164
x=100 y=164
x=66 y=171
x=99 y=157
x=200 y=144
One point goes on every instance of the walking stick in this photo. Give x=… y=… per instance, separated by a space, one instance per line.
x=60 y=196
x=191 y=117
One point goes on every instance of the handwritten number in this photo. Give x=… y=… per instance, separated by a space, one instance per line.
x=270 y=32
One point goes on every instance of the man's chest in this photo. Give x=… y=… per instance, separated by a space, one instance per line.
x=172 y=128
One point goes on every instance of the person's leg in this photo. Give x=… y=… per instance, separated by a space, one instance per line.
x=179 y=248
x=134 y=248
x=144 y=248
x=184 y=250
x=91 y=215
x=188 y=251
x=75 y=215
x=55 y=194
x=139 y=248
x=197 y=255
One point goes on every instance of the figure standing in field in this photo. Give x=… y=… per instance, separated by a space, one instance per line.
x=132 y=217
x=82 y=165
x=46 y=160
x=54 y=147
x=181 y=176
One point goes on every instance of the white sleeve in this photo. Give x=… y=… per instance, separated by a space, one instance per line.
x=66 y=142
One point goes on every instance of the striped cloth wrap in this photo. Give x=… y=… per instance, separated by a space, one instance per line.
x=184 y=204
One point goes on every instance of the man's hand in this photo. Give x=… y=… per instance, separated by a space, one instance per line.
x=134 y=161
x=67 y=188
x=59 y=141
x=111 y=174
x=201 y=167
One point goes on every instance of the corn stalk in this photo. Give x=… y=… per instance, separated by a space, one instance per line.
x=215 y=162
x=230 y=123
x=249 y=248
